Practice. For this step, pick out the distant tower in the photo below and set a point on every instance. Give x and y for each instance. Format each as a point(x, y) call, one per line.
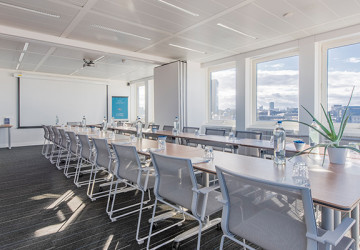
point(271, 106)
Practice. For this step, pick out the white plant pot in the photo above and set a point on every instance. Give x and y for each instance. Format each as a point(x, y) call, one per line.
point(337, 155)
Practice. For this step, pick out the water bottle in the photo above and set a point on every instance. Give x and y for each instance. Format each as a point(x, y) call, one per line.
point(176, 125)
point(83, 122)
point(112, 121)
point(138, 128)
point(314, 136)
point(57, 120)
point(279, 144)
point(104, 124)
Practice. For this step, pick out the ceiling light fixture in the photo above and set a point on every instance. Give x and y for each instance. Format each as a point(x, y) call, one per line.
point(21, 57)
point(26, 47)
point(179, 8)
point(237, 31)
point(30, 10)
point(98, 59)
point(181, 47)
point(17, 66)
point(118, 31)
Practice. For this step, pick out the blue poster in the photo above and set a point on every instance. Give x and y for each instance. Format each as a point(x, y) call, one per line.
point(120, 106)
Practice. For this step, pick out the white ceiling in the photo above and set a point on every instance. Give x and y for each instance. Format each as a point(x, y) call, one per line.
point(140, 31)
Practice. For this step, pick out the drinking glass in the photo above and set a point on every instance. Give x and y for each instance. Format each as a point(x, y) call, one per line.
point(209, 153)
point(300, 174)
point(162, 142)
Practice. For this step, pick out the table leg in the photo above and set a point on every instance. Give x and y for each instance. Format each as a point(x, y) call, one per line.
point(9, 138)
point(327, 218)
point(337, 218)
point(355, 228)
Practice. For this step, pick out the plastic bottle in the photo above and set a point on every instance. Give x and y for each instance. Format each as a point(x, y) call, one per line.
point(138, 128)
point(279, 144)
point(104, 124)
point(176, 125)
point(83, 122)
point(112, 122)
point(314, 136)
point(57, 120)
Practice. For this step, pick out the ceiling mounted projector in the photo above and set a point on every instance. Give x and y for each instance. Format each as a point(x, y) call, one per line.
point(88, 63)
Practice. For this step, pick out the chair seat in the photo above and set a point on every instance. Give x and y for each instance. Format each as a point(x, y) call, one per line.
point(213, 204)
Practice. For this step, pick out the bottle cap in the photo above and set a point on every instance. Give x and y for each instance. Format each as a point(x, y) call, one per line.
point(279, 122)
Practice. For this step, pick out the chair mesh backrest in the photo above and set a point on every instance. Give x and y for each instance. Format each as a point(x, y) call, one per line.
point(248, 135)
point(128, 163)
point(73, 141)
point(190, 129)
point(168, 128)
point(210, 131)
point(56, 135)
point(174, 181)
point(103, 155)
point(151, 126)
point(271, 215)
point(63, 138)
point(51, 133)
point(85, 149)
point(46, 132)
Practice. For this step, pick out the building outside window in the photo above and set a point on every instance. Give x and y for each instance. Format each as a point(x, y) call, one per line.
point(277, 89)
point(141, 101)
point(223, 94)
point(343, 72)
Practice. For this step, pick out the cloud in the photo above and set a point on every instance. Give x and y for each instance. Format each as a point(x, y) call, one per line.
point(353, 60)
point(277, 65)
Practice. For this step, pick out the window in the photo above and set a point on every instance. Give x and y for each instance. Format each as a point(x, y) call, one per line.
point(223, 94)
point(141, 100)
point(343, 72)
point(277, 89)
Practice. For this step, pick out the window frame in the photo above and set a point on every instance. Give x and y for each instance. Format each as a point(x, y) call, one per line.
point(351, 128)
point(253, 90)
point(230, 65)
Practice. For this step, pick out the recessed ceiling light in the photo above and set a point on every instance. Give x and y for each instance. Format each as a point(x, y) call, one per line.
point(21, 57)
point(118, 31)
point(30, 10)
point(179, 8)
point(26, 46)
point(237, 31)
point(181, 47)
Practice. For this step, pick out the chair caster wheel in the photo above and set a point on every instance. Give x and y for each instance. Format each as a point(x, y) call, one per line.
point(218, 227)
point(175, 245)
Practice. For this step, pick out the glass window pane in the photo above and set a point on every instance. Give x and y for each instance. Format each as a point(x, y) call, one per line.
point(223, 94)
point(141, 102)
point(277, 89)
point(343, 74)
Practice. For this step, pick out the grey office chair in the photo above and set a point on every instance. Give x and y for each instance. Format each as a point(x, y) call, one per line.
point(211, 131)
point(55, 150)
point(274, 215)
point(46, 139)
point(169, 128)
point(156, 126)
point(50, 142)
point(130, 172)
point(189, 130)
point(103, 163)
point(72, 155)
point(177, 187)
point(63, 149)
point(85, 160)
point(248, 135)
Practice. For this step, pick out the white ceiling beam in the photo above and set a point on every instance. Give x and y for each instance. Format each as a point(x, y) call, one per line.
point(66, 42)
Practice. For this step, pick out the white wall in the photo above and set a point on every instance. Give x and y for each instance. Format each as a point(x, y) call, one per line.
point(118, 88)
point(197, 93)
point(8, 108)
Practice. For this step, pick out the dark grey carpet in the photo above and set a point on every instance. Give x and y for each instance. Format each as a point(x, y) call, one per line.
point(41, 209)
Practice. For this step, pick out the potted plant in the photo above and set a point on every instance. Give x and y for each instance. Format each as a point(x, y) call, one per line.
point(337, 152)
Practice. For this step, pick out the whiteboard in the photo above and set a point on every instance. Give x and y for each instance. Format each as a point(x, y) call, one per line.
point(41, 100)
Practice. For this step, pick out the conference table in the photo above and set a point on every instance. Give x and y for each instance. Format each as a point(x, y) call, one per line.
point(8, 127)
point(336, 187)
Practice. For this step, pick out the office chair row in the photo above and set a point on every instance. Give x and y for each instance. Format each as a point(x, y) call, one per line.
point(271, 215)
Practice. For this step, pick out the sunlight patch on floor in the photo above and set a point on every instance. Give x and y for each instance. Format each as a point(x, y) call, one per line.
point(108, 241)
point(67, 195)
point(44, 196)
point(74, 203)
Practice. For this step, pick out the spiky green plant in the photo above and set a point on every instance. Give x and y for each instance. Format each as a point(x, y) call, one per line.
point(329, 133)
